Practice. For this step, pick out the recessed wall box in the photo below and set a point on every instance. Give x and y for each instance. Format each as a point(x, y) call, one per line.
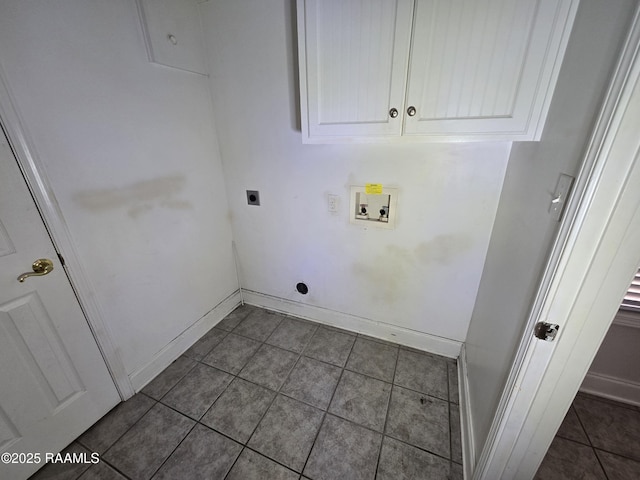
point(173, 34)
point(253, 197)
point(373, 209)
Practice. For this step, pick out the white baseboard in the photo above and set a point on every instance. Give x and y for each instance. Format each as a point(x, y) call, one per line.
point(466, 423)
point(612, 388)
point(625, 318)
point(393, 333)
point(182, 342)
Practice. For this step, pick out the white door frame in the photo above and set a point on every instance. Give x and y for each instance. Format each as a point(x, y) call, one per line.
point(591, 265)
point(34, 171)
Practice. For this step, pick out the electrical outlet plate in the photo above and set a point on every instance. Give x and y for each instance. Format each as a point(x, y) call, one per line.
point(253, 197)
point(387, 200)
point(333, 203)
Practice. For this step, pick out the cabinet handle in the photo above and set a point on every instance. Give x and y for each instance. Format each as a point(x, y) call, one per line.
point(393, 113)
point(411, 111)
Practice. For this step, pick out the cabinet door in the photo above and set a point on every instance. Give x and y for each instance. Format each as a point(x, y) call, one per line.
point(485, 69)
point(353, 61)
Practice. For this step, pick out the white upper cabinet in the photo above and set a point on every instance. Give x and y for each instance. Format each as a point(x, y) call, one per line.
point(429, 70)
point(356, 65)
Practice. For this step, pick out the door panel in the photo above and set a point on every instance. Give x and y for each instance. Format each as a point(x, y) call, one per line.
point(35, 351)
point(54, 383)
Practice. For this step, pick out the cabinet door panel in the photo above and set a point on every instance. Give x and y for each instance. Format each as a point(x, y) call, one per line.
point(484, 67)
point(353, 56)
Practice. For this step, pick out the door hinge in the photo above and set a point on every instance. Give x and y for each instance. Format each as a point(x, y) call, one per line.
point(546, 331)
point(61, 258)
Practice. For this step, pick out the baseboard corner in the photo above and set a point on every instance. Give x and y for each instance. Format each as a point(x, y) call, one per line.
point(184, 341)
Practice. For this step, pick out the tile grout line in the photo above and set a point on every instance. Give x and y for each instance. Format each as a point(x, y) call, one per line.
point(388, 343)
point(326, 412)
point(376, 378)
point(195, 359)
point(197, 421)
point(611, 403)
point(262, 343)
point(352, 333)
point(586, 434)
point(608, 401)
point(124, 433)
point(243, 365)
point(237, 375)
point(176, 448)
point(386, 417)
point(177, 382)
point(90, 467)
point(278, 392)
point(449, 411)
point(343, 369)
point(245, 445)
point(593, 449)
point(450, 405)
point(116, 469)
point(422, 449)
point(208, 408)
point(604, 470)
point(235, 460)
point(621, 455)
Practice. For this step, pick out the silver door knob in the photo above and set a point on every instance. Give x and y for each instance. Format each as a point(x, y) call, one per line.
point(411, 111)
point(40, 267)
point(393, 113)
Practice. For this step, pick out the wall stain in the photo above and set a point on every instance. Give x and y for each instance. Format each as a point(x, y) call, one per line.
point(386, 277)
point(443, 249)
point(138, 198)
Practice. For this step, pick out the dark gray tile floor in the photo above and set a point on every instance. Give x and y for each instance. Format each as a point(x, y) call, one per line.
point(599, 439)
point(268, 396)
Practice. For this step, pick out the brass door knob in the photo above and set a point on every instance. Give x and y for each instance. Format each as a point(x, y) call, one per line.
point(40, 267)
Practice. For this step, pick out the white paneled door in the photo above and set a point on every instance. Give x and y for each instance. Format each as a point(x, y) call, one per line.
point(54, 383)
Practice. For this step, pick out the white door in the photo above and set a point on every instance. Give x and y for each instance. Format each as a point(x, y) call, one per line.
point(596, 259)
point(54, 383)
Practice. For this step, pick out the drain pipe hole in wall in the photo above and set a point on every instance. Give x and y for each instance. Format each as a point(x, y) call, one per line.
point(302, 288)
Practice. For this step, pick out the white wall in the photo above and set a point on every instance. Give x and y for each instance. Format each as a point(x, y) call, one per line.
point(524, 231)
point(131, 152)
point(423, 275)
point(614, 372)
